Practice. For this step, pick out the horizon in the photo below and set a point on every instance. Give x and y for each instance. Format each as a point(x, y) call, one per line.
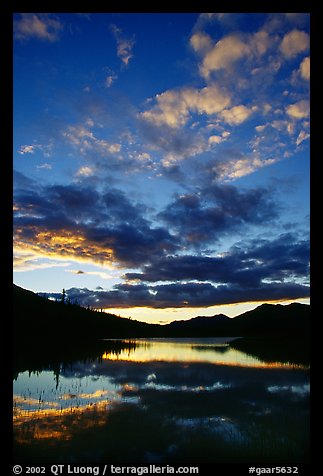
point(161, 160)
point(248, 307)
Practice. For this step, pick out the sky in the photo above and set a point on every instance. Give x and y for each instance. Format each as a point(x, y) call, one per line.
point(161, 160)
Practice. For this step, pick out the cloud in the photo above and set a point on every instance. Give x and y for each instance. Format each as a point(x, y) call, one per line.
point(45, 166)
point(81, 137)
point(303, 135)
point(85, 171)
point(218, 209)
point(176, 144)
point(229, 50)
point(294, 42)
point(237, 114)
point(255, 270)
point(239, 167)
point(124, 45)
point(215, 139)
point(76, 222)
point(260, 42)
point(174, 107)
point(110, 79)
point(305, 68)
point(299, 110)
point(27, 260)
point(40, 26)
point(177, 295)
point(32, 148)
point(226, 51)
point(26, 149)
point(201, 42)
point(247, 264)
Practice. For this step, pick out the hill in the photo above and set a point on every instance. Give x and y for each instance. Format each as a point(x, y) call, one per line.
point(274, 320)
point(267, 320)
point(200, 326)
point(38, 317)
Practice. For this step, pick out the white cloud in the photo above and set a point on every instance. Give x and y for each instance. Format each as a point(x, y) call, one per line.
point(201, 42)
point(294, 42)
point(228, 50)
point(175, 106)
point(215, 140)
point(89, 122)
point(305, 68)
point(260, 42)
point(78, 134)
point(282, 125)
point(26, 149)
point(209, 100)
point(299, 110)
point(234, 169)
point(261, 127)
point(113, 148)
point(28, 260)
point(225, 52)
point(124, 45)
point(45, 166)
point(303, 135)
point(109, 80)
point(85, 171)
point(82, 137)
point(266, 108)
point(31, 149)
point(237, 114)
point(43, 27)
point(143, 156)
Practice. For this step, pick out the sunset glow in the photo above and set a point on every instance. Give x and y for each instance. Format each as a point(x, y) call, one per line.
point(161, 160)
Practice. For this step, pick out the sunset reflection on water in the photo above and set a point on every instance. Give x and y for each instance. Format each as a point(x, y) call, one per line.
point(201, 387)
point(215, 351)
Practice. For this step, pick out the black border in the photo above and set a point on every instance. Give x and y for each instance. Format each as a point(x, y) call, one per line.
point(6, 128)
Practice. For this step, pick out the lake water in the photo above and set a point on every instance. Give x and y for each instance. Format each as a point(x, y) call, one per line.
point(162, 401)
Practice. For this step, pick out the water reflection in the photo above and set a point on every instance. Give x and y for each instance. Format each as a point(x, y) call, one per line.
point(215, 350)
point(208, 400)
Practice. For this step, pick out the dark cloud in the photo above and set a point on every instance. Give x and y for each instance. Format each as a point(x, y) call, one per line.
point(188, 295)
point(280, 259)
point(174, 173)
point(79, 221)
point(21, 182)
point(180, 142)
point(218, 209)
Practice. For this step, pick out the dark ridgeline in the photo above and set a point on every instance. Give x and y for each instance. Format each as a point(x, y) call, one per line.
point(53, 334)
point(36, 318)
point(61, 337)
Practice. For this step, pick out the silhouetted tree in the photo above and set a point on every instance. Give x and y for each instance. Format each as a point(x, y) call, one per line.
point(63, 299)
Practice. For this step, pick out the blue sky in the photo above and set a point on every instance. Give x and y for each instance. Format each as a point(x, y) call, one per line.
point(161, 160)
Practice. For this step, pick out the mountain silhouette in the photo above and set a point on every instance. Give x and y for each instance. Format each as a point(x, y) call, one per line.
point(200, 326)
point(38, 317)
